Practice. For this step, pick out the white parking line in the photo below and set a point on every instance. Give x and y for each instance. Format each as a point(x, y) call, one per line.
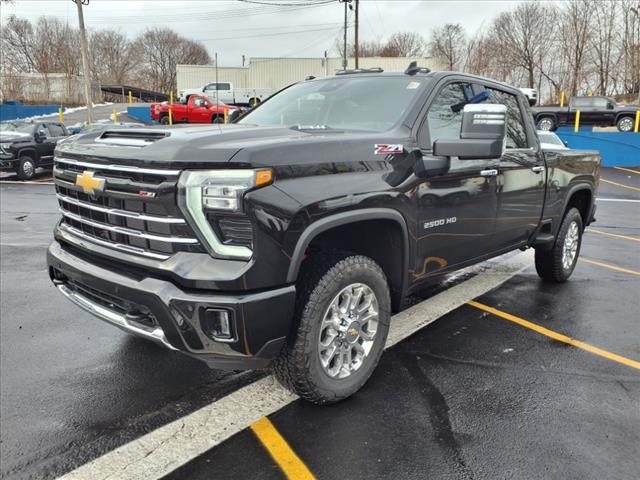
point(161, 451)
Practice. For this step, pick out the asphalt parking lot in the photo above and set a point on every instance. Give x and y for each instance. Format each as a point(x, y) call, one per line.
point(529, 381)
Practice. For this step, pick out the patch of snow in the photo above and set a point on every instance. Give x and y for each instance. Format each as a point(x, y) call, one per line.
point(64, 112)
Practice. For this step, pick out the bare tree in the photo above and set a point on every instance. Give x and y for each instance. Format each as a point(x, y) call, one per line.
point(575, 36)
point(112, 57)
point(16, 45)
point(404, 44)
point(159, 50)
point(449, 43)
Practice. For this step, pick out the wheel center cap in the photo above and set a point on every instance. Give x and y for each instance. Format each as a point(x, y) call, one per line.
point(353, 332)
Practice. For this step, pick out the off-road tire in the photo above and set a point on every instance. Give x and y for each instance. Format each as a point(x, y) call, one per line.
point(323, 276)
point(25, 173)
point(549, 262)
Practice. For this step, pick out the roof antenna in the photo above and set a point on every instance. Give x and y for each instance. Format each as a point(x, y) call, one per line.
point(413, 68)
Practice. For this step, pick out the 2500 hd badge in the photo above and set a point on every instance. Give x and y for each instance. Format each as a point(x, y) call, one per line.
point(268, 244)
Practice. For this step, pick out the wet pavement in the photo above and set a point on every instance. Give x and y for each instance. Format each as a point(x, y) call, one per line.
point(470, 396)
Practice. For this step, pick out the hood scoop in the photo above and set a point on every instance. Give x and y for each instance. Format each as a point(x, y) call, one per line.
point(131, 138)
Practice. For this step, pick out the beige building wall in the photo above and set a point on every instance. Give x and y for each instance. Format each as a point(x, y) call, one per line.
point(277, 73)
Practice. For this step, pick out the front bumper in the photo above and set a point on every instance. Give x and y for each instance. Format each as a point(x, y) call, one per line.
point(160, 311)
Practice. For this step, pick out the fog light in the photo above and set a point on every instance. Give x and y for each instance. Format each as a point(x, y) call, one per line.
point(217, 325)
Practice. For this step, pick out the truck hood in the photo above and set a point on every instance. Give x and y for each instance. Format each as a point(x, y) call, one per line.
point(212, 145)
point(9, 137)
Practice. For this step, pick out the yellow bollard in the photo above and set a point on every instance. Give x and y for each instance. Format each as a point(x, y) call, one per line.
point(255, 100)
point(576, 127)
point(635, 128)
point(171, 97)
point(61, 118)
point(130, 98)
point(226, 116)
point(170, 117)
point(561, 99)
point(115, 116)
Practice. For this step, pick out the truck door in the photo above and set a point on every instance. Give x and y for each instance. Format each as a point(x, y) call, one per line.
point(521, 175)
point(44, 147)
point(456, 211)
point(198, 110)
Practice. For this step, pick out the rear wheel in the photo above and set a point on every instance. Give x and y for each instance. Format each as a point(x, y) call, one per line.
point(625, 124)
point(217, 119)
point(557, 264)
point(164, 120)
point(344, 312)
point(26, 168)
point(546, 124)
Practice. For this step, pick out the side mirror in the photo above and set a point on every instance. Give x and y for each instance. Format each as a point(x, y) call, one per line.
point(234, 115)
point(482, 135)
point(40, 136)
point(610, 105)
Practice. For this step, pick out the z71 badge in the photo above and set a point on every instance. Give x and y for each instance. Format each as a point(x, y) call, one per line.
point(388, 149)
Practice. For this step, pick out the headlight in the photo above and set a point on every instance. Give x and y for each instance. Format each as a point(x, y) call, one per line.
point(217, 191)
point(5, 146)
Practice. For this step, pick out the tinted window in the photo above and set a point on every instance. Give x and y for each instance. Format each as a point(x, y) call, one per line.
point(516, 132)
point(372, 103)
point(443, 122)
point(217, 86)
point(584, 102)
point(56, 130)
point(43, 129)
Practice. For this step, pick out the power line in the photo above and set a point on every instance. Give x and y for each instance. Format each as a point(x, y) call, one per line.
point(290, 4)
point(235, 37)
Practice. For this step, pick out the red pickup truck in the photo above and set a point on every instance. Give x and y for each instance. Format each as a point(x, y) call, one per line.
point(197, 109)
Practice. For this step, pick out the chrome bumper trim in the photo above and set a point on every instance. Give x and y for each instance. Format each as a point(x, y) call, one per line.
point(154, 334)
point(118, 168)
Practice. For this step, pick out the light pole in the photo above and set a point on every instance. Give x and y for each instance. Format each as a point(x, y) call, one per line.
point(636, 10)
point(85, 60)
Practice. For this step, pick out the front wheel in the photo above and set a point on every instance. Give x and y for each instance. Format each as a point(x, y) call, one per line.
point(557, 264)
point(343, 312)
point(625, 124)
point(26, 168)
point(164, 120)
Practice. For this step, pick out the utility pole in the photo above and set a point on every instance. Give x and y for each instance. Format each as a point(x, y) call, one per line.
point(344, 55)
point(85, 60)
point(356, 27)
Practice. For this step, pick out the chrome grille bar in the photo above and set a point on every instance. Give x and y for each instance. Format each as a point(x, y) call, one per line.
point(117, 168)
point(118, 246)
point(120, 213)
point(126, 231)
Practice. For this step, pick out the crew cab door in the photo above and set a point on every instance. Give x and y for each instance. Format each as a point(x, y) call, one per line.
point(44, 143)
point(198, 110)
point(521, 175)
point(455, 211)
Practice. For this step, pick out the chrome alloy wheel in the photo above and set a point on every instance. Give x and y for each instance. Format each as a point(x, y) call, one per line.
point(28, 168)
point(570, 247)
point(625, 124)
point(545, 124)
point(348, 330)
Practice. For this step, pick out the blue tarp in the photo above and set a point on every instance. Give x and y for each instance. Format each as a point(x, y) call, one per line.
point(15, 110)
point(618, 149)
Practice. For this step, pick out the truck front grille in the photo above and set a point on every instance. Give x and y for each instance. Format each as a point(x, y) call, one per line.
point(136, 212)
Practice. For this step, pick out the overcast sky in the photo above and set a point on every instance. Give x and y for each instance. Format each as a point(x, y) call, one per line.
point(233, 28)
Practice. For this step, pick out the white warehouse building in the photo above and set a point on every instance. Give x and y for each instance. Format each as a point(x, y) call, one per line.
point(276, 73)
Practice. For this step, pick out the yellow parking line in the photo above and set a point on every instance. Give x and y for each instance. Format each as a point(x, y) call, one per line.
point(627, 170)
point(624, 237)
point(280, 451)
point(557, 336)
point(620, 185)
point(609, 266)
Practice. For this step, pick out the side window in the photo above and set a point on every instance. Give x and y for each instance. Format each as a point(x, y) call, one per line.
point(224, 86)
point(56, 130)
point(198, 102)
point(516, 132)
point(443, 118)
point(211, 87)
point(42, 128)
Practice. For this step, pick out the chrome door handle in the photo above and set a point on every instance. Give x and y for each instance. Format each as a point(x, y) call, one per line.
point(537, 169)
point(489, 173)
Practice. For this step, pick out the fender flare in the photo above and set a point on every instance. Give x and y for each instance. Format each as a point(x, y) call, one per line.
point(572, 189)
point(631, 115)
point(546, 114)
point(30, 150)
point(343, 218)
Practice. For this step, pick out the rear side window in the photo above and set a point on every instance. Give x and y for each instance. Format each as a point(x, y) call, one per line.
point(217, 86)
point(443, 119)
point(56, 130)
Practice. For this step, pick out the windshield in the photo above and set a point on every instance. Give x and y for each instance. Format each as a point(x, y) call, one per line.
point(351, 103)
point(550, 138)
point(19, 127)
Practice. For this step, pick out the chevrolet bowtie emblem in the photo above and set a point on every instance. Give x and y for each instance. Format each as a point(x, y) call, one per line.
point(89, 183)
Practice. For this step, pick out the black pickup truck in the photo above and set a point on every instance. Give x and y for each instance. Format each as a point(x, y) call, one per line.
point(594, 111)
point(287, 239)
point(25, 146)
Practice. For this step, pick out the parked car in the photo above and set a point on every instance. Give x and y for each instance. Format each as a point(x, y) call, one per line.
point(25, 146)
point(551, 141)
point(196, 109)
point(225, 92)
point(531, 94)
point(597, 111)
point(287, 239)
